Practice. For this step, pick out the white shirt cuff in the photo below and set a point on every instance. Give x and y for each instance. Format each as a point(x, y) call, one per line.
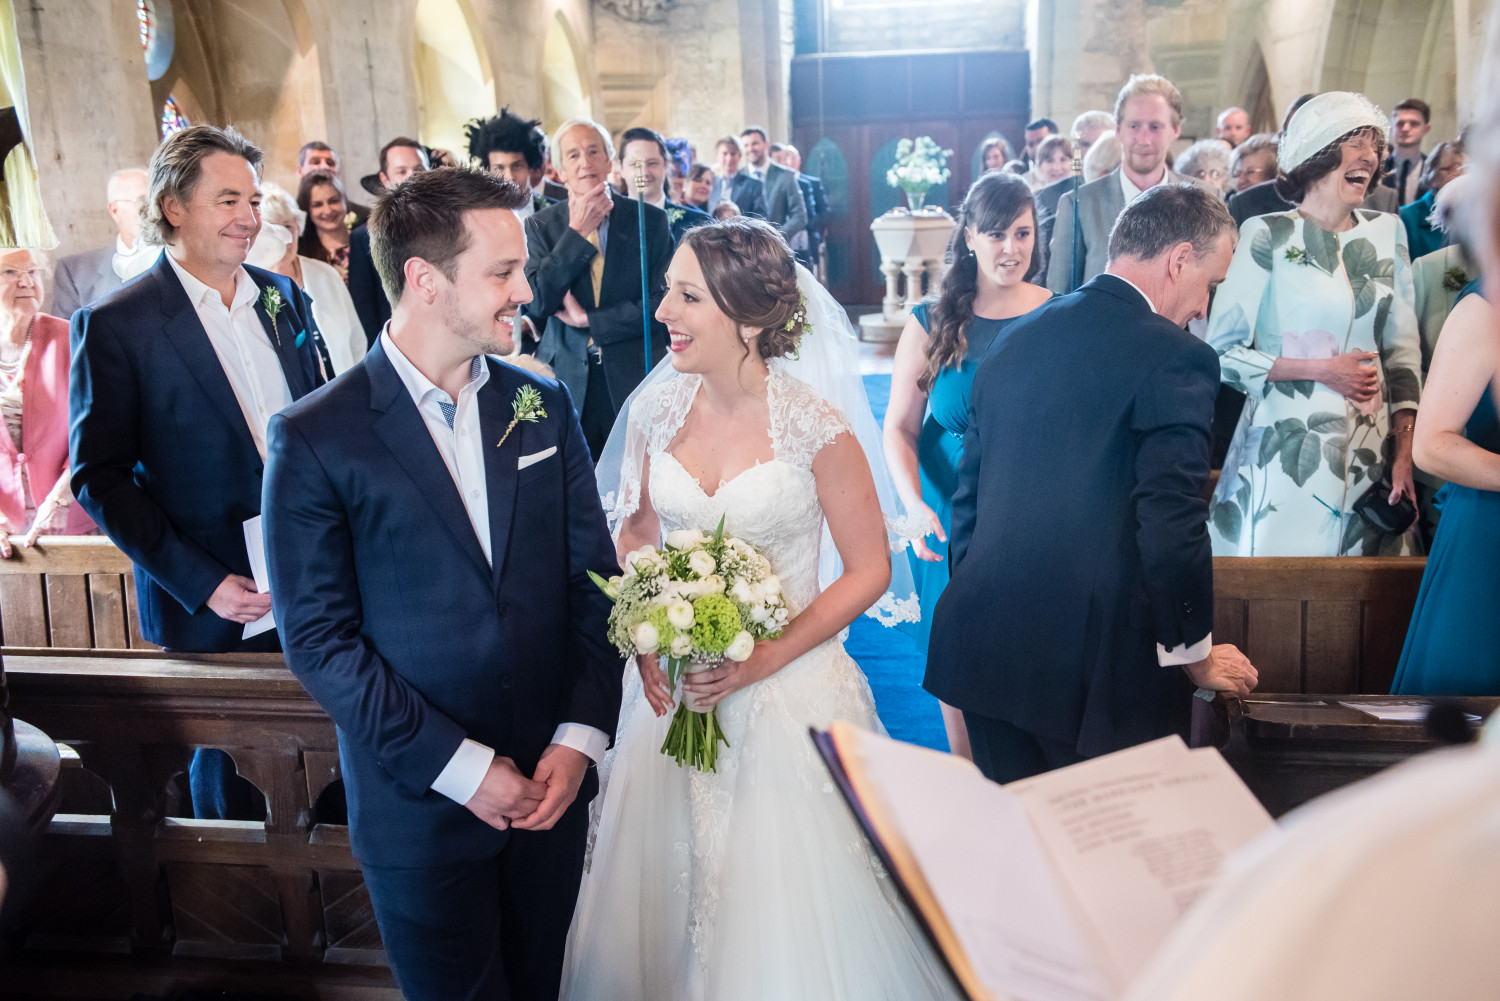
point(1183, 654)
point(461, 776)
point(584, 739)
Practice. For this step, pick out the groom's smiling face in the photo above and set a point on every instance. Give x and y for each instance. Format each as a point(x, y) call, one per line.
point(489, 283)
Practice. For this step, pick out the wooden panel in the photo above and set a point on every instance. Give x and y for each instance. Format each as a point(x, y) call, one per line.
point(225, 910)
point(133, 617)
point(1383, 636)
point(1334, 578)
point(67, 554)
point(1273, 642)
point(68, 611)
point(23, 610)
point(1229, 621)
point(349, 917)
point(107, 609)
point(1331, 655)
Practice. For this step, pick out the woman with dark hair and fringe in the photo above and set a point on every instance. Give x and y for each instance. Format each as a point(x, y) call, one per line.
point(993, 257)
point(325, 233)
point(1315, 324)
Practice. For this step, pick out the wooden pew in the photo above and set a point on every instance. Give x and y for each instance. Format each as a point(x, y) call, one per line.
point(1317, 626)
point(137, 899)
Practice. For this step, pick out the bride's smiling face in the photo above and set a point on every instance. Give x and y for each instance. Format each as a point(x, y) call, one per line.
point(702, 339)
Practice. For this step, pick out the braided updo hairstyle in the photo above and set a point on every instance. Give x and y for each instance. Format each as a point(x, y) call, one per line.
point(752, 276)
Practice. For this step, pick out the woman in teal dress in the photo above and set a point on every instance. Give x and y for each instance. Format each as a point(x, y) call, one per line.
point(994, 254)
point(1453, 645)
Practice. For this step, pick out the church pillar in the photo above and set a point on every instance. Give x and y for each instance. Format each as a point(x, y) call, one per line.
point(1082, 51)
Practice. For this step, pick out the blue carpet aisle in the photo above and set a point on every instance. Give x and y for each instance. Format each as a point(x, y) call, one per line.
point(889, 657)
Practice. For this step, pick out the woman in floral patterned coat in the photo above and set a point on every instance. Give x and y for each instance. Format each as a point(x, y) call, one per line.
point(1315, 324)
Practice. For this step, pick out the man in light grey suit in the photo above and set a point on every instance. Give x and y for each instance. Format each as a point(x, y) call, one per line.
point(82, 278)
point(1148, 119)
point(785, 207)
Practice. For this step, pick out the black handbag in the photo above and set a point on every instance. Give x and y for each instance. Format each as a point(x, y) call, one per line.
point(1375, 506)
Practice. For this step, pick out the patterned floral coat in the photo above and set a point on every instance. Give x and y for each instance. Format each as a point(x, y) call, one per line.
point(1303, 454)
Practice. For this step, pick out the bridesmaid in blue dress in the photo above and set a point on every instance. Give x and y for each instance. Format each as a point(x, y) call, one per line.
point(1453, 645)
point(994, 255)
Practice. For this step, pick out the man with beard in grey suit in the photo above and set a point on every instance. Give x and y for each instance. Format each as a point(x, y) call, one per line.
point(785, 207)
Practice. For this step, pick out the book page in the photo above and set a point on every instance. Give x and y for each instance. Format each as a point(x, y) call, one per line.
point(255, 548)
point(979, 856)
point(1137, 836)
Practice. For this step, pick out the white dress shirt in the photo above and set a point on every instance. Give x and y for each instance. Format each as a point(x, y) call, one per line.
point(459, 441)
point(1132, 193)
point(1181, 653)
point(243, 346)
point(334, 310)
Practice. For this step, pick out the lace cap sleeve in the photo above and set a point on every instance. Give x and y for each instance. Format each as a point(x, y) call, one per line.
point(802, 422)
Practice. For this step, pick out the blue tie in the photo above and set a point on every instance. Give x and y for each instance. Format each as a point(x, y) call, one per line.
point(450, 410)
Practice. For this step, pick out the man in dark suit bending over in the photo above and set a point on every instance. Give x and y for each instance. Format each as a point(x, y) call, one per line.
point(584, 265)
point(1080, 611)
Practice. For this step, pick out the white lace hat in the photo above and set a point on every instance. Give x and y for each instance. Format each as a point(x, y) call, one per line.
point(1323, 120)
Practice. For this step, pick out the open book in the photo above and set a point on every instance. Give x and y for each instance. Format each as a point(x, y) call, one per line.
point(1055, 888)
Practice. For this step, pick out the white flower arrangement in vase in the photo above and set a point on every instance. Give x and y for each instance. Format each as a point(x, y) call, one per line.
point(920, 164)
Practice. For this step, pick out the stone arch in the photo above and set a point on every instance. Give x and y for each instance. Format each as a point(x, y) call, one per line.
point(452, 70)
point(565, 89)
point(252, 65)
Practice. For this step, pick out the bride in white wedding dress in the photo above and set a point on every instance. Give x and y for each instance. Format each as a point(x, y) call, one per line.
point(751, 882)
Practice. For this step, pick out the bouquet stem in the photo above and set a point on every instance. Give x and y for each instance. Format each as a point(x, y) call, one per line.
point(694, 736)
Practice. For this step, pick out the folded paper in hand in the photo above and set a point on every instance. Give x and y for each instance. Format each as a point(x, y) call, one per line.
point(255, 548)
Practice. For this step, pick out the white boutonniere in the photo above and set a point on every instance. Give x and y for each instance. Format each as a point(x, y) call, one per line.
point(350, 218)
point(272, 303)
point(527, 406)
point(674, 215)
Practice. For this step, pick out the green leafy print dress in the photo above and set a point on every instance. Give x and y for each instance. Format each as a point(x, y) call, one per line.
point(1303, 454)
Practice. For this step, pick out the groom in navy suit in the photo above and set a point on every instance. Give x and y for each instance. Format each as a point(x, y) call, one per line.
point(430, 535)
point(1080, 610)
point(173, 380)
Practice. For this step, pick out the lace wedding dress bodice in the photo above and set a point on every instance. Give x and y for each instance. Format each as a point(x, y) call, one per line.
point(772, 505)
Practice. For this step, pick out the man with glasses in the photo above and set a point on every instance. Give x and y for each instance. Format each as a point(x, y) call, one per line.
point(82, 278)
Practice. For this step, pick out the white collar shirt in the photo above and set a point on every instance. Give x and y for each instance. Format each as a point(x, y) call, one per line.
point(1131, 191)
point(460, 442)
point(244, 348)
point(454, 427)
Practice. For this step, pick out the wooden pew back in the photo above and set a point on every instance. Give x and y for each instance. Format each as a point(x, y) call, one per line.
point(76, 592)
point(1318, 626)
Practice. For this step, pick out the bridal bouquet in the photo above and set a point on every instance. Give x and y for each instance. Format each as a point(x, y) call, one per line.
point(700, 599)
point(919, 165)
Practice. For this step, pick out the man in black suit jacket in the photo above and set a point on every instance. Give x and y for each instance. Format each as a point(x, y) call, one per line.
point(173, 380)
point(429, 563)
point(399, 159)
point(733, 185)
point(584, 265)
point(1081, 601)
point(649, 148)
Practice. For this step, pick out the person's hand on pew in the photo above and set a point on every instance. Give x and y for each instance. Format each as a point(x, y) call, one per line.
point(237, 600)
point(1225, 669)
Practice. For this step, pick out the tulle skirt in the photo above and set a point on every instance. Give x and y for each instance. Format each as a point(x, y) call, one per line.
point(749, 884)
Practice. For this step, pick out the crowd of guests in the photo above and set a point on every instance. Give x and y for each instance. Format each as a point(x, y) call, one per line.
point(1351, 255)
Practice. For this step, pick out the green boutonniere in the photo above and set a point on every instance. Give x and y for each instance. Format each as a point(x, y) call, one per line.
point(1297, 255)
point(272, 303)
point(527, 406)
point(1455, 279)
point(674, 215)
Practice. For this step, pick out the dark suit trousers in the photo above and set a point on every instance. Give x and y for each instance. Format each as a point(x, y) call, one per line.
point(1004, 752)
point(487, 930)
point(597, 417)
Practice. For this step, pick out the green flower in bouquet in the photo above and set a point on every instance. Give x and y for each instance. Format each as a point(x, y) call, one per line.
point(716, 622)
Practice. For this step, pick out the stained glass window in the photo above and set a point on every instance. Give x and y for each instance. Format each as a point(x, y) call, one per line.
point(143, 15)
point(172, 118)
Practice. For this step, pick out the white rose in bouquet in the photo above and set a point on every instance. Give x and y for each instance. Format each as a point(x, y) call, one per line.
point(771, 585)
point(645, 638)
point(680, 614)
point(644, 558)
point(682, 645)
point(741, 592)
point(702, 563)
point(741, 646)
point(759, 612)
point(685, 538)
point(712, 584)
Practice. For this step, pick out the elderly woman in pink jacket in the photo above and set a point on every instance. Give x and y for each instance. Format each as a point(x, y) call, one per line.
point(34, 495)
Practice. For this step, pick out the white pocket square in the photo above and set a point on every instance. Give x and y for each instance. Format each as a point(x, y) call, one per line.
point(533, 458)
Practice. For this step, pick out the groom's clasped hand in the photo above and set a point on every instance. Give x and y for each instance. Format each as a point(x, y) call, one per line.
point(507, 798)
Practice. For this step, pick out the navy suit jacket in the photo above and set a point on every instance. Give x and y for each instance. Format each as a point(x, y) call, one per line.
point(162, 458)
point(364, 285)
point(1079, 536)
point(745, 191)
point(682, 218)
point(393, 620)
